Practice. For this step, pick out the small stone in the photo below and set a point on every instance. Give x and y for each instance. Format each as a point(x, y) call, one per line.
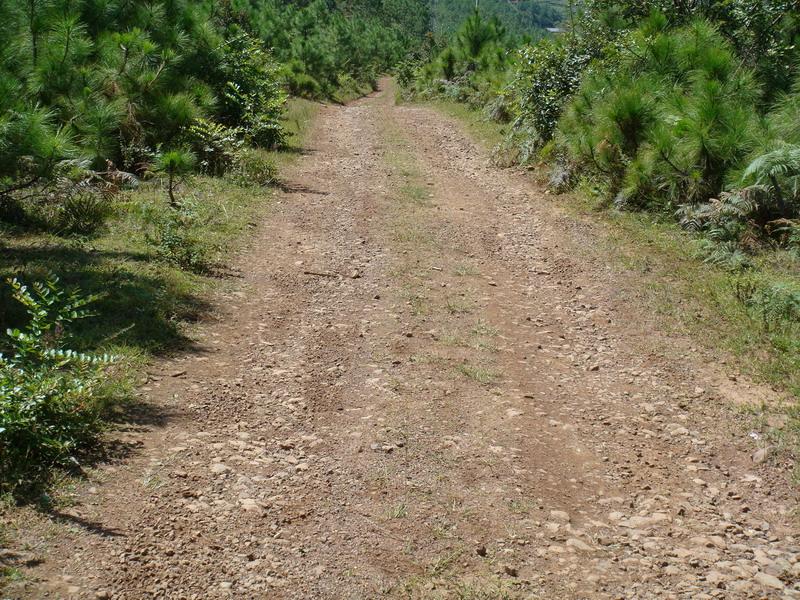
point(250, 505)
point(559, 515)
point(769, 581)
point(760, 455)
point(102, 595)
point(579, 545)
point(715, 578)
point(219, 468)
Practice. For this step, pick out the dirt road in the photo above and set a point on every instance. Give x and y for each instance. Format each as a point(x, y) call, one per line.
point(428, 385)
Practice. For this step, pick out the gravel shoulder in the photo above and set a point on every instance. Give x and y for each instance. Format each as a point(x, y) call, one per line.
point(427, 385)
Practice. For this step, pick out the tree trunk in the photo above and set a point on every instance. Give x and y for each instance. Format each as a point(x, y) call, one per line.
point(172, 202)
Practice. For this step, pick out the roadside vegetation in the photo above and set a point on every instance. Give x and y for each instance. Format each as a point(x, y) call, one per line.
point(679, 122)
point(138, 141)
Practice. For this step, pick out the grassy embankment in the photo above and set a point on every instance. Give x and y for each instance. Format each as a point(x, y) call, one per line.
point(147, 300)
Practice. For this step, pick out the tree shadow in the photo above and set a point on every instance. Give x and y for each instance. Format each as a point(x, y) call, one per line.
point(299, 188)
point(297, 150)
point(85, 524)
point(139, 305)
point(125, 419)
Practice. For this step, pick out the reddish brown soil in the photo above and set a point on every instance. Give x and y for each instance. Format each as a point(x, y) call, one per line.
point(427, 386)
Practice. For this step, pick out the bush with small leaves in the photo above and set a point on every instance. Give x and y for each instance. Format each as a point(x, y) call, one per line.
point(252, 97)
point(49, 395)
point(547, 75)
point(175, 240)
point(254, 168)
point(214, 145)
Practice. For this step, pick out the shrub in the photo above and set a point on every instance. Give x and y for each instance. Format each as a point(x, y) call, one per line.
point(670, 124)
point(252, 96)
point(547, 75)
point(176, 242)
point(472, 69)
point(49, 395)
point(214, 145)
point(173, 164)
point(253, 168)
point(776, 305)
point(83, 211)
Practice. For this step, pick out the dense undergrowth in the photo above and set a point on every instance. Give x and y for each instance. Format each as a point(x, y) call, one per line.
point(105, 90)
point(683, 114)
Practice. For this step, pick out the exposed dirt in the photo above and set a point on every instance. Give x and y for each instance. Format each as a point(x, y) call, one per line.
point(428, 386)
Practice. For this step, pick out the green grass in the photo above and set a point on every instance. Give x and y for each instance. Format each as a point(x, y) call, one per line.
point(476, 373)
point(8, 572)
point(466, 270)
point(456, 305)
point(400, 511)
point(416, 193)
point(350, 89)
point(707, 301)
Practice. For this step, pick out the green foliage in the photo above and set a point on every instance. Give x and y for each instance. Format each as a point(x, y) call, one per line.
point(775, 305)
point(763, 33)
point(252, 98)
point(214, 145)
point(173, 164)
point(83, 211)
point(111, 83)
point(30, 146)
point(473, 67)
point(547, 75)
point(670, 123)
point(253, 168)
point(318, 43)
point(520, 18)
point(176, 241)
point(49, 394)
